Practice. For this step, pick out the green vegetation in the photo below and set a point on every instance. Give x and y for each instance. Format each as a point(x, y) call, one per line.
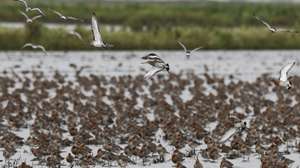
point(209, 38)
point(153, 15)
point(212, 25)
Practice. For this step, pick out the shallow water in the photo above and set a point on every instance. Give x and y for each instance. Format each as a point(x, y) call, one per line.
point(244, 65)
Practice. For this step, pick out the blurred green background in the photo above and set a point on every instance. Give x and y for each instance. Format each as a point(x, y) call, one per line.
point(153, 25)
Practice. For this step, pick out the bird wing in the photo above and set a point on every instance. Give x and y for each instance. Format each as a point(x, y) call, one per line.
point(24, 14)
point(287, 30)
point(155, 60)
point(28, 45)
point(72, 18)
point(76, 34)
point(39, 10)
point(196, 49)
point(285, 70)
point(41, 47)
point(58, 13)
point(151, 73)
point(36, 17)
point(182, 45)
point(95, 29)
point(24, 2)
point(264, 22)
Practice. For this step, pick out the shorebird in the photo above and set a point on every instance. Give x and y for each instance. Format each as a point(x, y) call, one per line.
point(97, 39)
point(155, 61)
point(284, 79)
point(272, 28)
point(33, 46)
point(27, 8)
point(30, 20)
point(188, 52)
point(63, 17)
point(75, 34)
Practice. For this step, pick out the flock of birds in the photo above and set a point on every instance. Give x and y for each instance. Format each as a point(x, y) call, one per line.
point(96, 120)
point(153, 59)
point(138, 131)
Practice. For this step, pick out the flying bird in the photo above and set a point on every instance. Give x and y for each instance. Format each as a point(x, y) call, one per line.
point(97, 39)
point(63, 17)
point(272, 28)
point(33, 46)
point(188, 52)
point(284, 79)
point(30, 20)
point(154, 60)
point(75, 34)
point(28, 9)
point(158, 64)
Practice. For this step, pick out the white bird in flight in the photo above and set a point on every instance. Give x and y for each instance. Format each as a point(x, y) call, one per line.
point(27, 8)
point(158, 64)
point(97, 39)
point(188, 52)
point(75, 34)
point(63, 17)
point(284, 79)
point(28, 19)
point(33, 46)
point(272, 28)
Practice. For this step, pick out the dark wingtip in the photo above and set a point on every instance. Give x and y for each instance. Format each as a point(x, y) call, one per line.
point(167, 67)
